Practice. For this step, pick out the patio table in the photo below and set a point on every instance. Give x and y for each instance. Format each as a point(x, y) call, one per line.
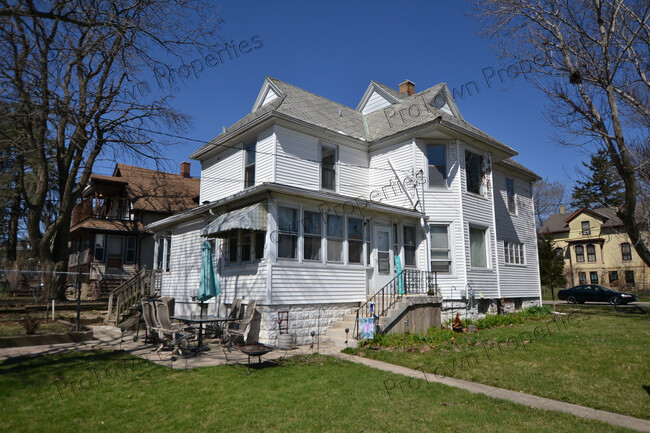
point(201, 320)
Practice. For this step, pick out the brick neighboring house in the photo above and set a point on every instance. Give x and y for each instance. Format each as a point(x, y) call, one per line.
point(596, 249)
point(108, 239)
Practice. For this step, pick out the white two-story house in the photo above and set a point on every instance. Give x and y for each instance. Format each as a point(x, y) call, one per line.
point(313, 206)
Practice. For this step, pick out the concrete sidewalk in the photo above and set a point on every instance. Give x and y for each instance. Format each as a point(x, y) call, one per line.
point(504, 394)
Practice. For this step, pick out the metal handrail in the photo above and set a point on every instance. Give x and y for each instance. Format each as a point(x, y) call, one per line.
point(407, 282)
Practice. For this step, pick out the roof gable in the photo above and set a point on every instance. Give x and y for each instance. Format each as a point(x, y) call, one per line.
point(267, 93)
point(443, 101)
point(376, 97)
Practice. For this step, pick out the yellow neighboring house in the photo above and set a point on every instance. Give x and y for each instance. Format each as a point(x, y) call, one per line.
point(596, 249)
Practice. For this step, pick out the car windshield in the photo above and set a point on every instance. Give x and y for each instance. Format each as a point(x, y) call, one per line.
point(604, 289)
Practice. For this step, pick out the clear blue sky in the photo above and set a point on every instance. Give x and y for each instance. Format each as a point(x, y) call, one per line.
point(335, 48)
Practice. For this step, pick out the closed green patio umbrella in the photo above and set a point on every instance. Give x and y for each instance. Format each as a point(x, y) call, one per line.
point(209, 283)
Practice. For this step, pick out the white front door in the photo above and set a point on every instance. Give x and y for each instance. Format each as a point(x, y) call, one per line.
point(382, 258)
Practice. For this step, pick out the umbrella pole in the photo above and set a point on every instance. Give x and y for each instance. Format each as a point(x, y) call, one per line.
point(201, 327)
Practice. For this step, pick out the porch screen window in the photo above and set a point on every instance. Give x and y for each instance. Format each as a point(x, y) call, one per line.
point(510, 190)
point(334, 238)
point(613, 276)
point(233, 246)
point(437, 165)
point(477, 247)
point(626, 251)
point(593, 276)
point(580, 253)
point(474, 172)
point(582, 277)
point(246, 245)
point(100, 242)
point(629, 277)
point(249, 170)
point(313, 235)
point(260, 240)
point(591, 253)
point(328, 161)
point(440, 253)
point(130, 250)
point(355, 240)
point(288, 233)
point(409, 246)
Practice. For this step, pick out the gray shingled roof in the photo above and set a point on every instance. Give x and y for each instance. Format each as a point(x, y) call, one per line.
point(313, 109)
point(392, 92)
point(508, 162)
point(556, 223)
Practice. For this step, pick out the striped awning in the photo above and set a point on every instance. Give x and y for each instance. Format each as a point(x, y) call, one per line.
point(250, 217)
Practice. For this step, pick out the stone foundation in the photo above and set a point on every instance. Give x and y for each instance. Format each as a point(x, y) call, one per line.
point(478, 308)
point(303, 319)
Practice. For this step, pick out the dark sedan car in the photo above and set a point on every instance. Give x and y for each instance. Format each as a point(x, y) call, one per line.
point(594, 293)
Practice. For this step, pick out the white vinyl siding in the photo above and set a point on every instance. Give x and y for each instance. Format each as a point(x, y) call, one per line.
point(222, 175)
point(383, 186)
point(183, 281)
point(297, 159)
point(299, 284)
point(353, 171)
point(521, 280)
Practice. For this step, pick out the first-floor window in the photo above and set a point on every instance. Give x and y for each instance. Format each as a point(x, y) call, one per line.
point(313, 235)
point(233, 246)
point(582, 277)
point(334, 238)
point(514, 253)
point(260, 240)
point(593, 276)
point(409, 246)
point(130, 249)
point(160, 253)
point(100, 242)
point(168, 254)
point(629, 277)
point(478, 256)
point(246, 245)
point(613, 276)
point(288, 233)
point(440, 252)
point(355, 240)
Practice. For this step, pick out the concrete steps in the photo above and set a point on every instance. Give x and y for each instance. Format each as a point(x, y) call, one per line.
point(334, 339)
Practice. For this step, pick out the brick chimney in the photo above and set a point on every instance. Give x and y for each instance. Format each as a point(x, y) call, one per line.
point(562, 209)
point(407, 87)
point(185, 169)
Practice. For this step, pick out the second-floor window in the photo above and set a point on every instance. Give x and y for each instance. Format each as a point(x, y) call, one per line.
point(626, 251)
point(510, 190)
point(328, 168)
point(437, 165)
point(580, 253)
point(249, 166)
point(474, 172)
point(591, 253)
point(586, 229)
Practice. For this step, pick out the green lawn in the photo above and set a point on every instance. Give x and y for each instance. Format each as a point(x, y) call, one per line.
point(302, 394)
point(600, 360)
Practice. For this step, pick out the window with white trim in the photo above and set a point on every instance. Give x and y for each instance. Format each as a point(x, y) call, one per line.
point(334, 238)
point(477, 247)
point(313, 234)
point(510, 191)
point(328, 168)
point(514, 253)
point(355, 240)
point(288, 233)
point(437, 165)
point(440, 251)
point(409, 245)
point(249, 166)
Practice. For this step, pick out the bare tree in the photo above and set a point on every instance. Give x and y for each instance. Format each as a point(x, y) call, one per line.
point(548, 197)
point(66, 65)
point(591, 60)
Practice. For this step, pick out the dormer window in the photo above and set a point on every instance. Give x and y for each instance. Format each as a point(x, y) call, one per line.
point(328, 168)
point(249, 166)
